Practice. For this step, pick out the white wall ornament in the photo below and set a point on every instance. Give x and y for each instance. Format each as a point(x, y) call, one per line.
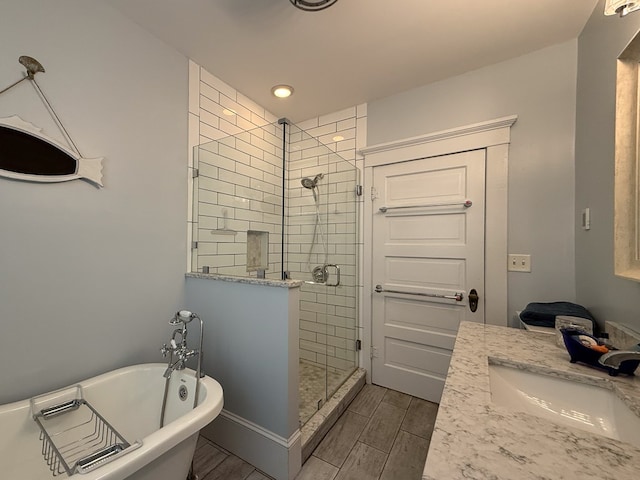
point(29, 155)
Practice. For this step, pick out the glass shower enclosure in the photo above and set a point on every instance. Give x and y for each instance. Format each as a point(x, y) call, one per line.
point(274, 202)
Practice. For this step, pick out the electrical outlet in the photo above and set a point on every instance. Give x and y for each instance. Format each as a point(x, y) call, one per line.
point(519, 263)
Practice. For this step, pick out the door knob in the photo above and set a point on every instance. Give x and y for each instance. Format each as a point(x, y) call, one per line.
point(473, 300)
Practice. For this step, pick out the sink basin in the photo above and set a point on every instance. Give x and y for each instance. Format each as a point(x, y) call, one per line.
point(594, 409)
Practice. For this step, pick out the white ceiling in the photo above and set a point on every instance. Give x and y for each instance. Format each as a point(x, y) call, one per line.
point(355, 51)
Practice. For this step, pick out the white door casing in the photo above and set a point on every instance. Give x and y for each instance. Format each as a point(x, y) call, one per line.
point(494, 137)
point(428, 253)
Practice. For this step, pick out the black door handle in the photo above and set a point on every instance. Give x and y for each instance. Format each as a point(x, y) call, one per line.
point(473, 300)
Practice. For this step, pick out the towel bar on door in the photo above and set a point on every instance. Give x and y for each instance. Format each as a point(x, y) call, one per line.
point(457, 296)
point(465, 204)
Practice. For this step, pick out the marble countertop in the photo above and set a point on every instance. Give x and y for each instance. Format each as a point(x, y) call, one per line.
point(269, 282)
point(476, 439)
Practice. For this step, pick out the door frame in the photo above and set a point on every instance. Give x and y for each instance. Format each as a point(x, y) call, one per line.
point(494, 136)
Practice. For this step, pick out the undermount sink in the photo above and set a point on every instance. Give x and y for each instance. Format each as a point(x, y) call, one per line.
point(594, 409)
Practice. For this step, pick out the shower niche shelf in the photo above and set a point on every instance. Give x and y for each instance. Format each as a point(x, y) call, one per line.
point(257, 251)
point(75, 437)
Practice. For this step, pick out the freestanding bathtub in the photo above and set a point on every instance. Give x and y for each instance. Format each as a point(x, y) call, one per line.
point(129, 400)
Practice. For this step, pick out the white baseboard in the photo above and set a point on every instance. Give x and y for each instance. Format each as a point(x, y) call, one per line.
point(278, 457)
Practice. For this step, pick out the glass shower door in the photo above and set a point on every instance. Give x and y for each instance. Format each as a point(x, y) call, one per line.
point(321, 250)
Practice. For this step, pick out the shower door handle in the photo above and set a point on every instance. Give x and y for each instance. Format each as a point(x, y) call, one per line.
point(326, 274)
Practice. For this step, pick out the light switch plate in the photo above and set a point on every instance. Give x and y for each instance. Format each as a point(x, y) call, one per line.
point(519, 263)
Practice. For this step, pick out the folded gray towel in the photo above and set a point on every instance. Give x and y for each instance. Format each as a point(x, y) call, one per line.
point(544, 314)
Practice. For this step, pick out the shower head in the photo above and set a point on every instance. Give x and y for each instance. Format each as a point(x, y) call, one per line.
point(311, 183)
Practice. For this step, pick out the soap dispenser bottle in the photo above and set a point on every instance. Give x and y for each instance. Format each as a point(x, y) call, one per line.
point(603, 339)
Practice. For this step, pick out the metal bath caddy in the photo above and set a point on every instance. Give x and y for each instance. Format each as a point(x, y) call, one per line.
point(75, 437)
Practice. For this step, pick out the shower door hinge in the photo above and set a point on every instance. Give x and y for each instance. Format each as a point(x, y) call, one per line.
point(374, 193)
point(358, 190)
point(195, 173)
point(358, 345)
point(194, 245)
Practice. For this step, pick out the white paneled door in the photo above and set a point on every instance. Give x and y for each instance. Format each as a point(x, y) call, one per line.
point(428, 255)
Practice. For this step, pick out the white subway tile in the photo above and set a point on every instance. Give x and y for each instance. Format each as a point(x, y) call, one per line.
point(231, 248)
point(308, 336)
point(262, 145)
point(270, 117)
point(308, 124)
point(209, 93)
point(194, 86)
point(218, 84)
point(245, 124)
point(207, 196)
point(265, 187)
point(249, 215)
point(258, 120)
point(219, 161)
point(209, 118)
point(257, 163)
point(229, 128)
point(342, 125)
point(234, 154)
point(250, 171)
point(207, 248)
point(208, 170)
point(235, 106)
point(307, 355)
point(233, 201)
point(232, 177)
point(324, 130)
point(251, 105)
point(312, 346)
point(209, 133)
point(337, 116)
point(211, 106)
point(216, 185)
point(194, 135)
point(237, 271)
point(249, 193)
point(246, 147)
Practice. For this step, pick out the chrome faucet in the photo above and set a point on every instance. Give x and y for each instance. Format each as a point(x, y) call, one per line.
point(179, 350)
point(182, 354)
point(615, 359)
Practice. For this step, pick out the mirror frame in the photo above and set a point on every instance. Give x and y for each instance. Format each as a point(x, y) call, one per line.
point(627, 188)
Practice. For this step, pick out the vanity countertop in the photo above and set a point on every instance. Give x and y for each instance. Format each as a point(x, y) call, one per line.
point(476, 439)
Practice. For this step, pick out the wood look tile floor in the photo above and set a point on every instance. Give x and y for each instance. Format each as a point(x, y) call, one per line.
point(383, 435)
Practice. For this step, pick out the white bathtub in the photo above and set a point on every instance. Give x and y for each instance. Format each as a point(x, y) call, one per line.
point(130, 399)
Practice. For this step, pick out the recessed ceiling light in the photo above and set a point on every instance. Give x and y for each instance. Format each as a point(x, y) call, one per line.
point(282, 91)
point(338, 138)
point(228, 111)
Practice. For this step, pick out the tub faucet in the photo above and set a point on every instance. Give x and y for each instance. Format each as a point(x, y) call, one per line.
point(180, 364)
point(180, 350)
point(616, 358)
point(181, 319)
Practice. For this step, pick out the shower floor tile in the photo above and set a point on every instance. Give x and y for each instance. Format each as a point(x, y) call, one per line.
point(312, 387)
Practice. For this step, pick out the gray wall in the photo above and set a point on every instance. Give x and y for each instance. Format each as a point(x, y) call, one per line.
point(540, 88)
point(251, 348)
point(88, 277)
point(607, 296)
